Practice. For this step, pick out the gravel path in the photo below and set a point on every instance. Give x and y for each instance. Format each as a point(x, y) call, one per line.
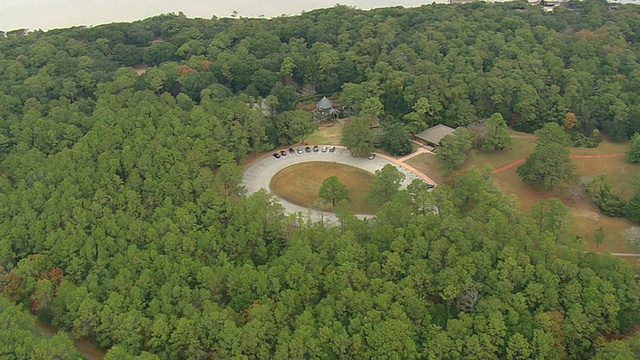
point(259, 174)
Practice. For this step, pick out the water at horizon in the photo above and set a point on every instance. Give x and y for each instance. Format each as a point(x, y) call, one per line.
point(50, 14)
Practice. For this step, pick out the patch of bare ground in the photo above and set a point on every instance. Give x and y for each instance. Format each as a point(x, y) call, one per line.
point(140, 68)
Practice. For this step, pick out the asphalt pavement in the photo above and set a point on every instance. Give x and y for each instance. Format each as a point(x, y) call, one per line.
point(258, 175)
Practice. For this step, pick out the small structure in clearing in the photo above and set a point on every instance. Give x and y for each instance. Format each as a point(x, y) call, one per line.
point(433, 135)
point(325, 107)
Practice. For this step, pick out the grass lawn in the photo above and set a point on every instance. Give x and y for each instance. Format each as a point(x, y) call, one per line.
point(326, 135)
point(587, 217)
point(619, 172)
point(300, 184)
point(523, 145)
point(426, 163)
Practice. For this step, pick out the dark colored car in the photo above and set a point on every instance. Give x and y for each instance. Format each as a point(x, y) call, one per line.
point(291, 151)
point(332, 149)
point(283, 153)
point(307, 149)
point(372, 156)
point(315, 148)
point(276, 155)
point(299, 150)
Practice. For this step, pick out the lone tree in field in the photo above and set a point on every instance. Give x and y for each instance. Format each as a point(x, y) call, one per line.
point(599, 236)
point(333, 190)
point(386, 184)
point(633, 152)
point(358, 137)
point(549, 168)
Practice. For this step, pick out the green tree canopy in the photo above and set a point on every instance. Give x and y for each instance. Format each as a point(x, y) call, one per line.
point(498, 137)
point(333, 190)
point(396, 140)
point(123, 219)
point(610, 204)
point(294, 126)
point(633, 151)
point(358, 137)
point(599, 236)
point(552, 133)
point(386, 184)
point(20, 340)
point(453, 150)
point(549, 167)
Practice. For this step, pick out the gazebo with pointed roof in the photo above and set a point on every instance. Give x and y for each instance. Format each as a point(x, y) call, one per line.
point(324, 105)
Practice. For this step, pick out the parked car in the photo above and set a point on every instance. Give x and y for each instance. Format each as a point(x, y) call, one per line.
point(332, 149)
point(324, 149)
point(283, 153)
point(291, 151)
point(372, 156)
point(299, 150)
point(315, 148)
point(430, 185)
point(276, 155)
point(307, 149)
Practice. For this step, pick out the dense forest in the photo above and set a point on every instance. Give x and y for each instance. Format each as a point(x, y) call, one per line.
point(122, 218)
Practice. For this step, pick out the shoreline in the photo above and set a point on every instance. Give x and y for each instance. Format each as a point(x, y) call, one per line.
point(58, 14)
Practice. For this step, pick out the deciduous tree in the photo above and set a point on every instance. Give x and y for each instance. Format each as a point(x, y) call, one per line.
point(633, 151)
point(396, 140)
point(294, 126)
point(358, 137)
point(549, 168)
point(453, 152)
point(498, 137)
point(552, 133)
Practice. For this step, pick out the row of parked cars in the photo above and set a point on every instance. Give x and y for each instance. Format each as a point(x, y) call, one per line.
point(301, 150)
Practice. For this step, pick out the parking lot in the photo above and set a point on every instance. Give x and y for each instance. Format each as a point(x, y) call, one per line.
point(258, 175)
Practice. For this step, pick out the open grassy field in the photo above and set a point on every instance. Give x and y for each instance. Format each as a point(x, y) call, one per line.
point(327, 135)
point(301, 183)
point(426, 163)
point(523, 145)
point(586, 215)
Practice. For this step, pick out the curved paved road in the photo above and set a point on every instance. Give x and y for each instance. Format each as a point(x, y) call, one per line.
point(258, 175)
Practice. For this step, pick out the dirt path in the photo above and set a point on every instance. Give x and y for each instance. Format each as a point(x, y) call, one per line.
point(507, 167)
point(625, 254)
point(408, 167)
point(420, 150)
point(521, 161)
point(602, 156)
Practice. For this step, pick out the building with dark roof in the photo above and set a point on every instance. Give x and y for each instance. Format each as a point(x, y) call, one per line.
point(433, 135)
